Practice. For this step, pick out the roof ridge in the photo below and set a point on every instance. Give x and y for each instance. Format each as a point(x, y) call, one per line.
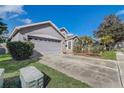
point(34, 24)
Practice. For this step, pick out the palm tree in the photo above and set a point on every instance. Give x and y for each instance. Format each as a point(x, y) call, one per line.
point(87, 42)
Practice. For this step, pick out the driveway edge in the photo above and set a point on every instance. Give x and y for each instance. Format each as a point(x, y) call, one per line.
point(119, 61)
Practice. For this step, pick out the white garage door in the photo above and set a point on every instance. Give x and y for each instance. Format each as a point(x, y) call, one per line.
point(47, 46)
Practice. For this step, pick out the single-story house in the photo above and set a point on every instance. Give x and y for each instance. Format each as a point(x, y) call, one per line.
point(46, 36)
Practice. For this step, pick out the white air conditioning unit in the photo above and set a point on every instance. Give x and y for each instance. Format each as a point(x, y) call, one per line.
point(31, 77)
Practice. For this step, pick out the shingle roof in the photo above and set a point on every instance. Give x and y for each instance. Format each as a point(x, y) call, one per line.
point(71, 37)
point(16, 29)
point(64, 29)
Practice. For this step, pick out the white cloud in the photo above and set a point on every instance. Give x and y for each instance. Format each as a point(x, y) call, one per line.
point(121, 12)
point(13, 16)
point(11, 11)
point(25, 21)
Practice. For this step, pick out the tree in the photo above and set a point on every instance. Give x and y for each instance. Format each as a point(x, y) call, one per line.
point(111, 26)
point(3, 31)
point(107, 41)
point(87, 42)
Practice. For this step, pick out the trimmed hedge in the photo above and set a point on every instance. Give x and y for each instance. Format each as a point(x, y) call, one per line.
point(20, 50)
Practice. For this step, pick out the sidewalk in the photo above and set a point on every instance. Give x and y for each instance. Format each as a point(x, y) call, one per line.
point(120, 60)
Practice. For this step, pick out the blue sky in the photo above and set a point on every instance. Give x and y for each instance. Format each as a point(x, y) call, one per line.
point(79, 20)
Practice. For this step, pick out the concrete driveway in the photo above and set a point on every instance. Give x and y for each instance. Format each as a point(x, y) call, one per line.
point(95, 72)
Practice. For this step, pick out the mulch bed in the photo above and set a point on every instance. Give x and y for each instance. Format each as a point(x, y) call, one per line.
point(88, 54)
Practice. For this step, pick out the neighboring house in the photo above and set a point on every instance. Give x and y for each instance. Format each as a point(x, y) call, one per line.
point(46, 36)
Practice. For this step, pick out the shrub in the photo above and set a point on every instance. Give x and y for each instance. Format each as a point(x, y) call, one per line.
point(85, 49)
point(20, 50)
point(77, 49)
point(97, 49)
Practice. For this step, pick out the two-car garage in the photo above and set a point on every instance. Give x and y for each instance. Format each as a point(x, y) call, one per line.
point(46, 37)
point(45, 44)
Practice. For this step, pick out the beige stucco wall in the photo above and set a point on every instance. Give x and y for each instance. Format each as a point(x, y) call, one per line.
point(72, 44)
point(67, 48)
point(44, 29)
point(18, 37)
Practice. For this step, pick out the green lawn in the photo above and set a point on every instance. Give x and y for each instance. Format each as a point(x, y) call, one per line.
point(5, 57)
point(53, 78)
point(109, 55)
point(11, 65)
point(59, 80)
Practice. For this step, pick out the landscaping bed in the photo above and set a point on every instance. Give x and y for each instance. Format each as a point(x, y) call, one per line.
point(88, 54)
point(104, 55)
point(53, 78)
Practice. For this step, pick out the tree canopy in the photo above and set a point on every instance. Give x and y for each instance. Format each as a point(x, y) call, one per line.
point(111, 26)
point(106, 40)
point(86, 40)
point(3, 30)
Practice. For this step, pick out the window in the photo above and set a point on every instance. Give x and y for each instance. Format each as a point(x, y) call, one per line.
point(69, 45)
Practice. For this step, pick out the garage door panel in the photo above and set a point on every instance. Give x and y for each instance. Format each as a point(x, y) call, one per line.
point(47, 47)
